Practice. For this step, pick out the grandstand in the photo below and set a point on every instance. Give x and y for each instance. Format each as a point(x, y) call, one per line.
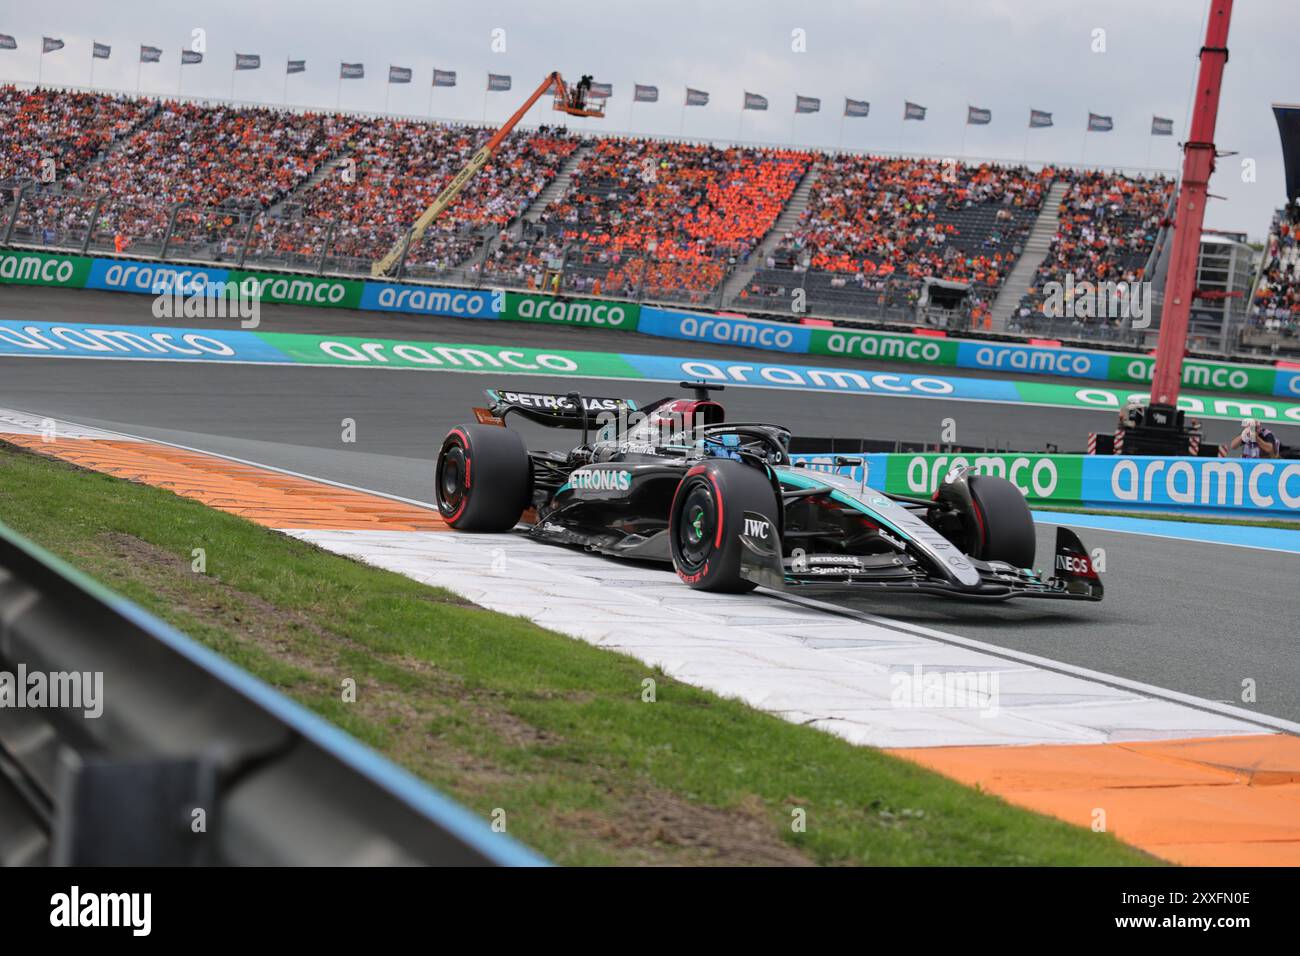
point(868, 239)
point(1274, 315)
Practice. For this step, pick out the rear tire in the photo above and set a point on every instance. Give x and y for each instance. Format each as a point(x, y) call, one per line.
point(1005, 526)
point(483, 478)
point(707, 518)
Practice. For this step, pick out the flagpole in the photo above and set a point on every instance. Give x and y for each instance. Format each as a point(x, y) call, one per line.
point(92, 64)
point(338, 97)
point(793, 117)
point(1150, 140)
point(430, 110)
point(964, 130)
point(180, 74)
point(40, 63)
point(139, 64)
point(840, 144)
point(284, 100)
point(681, 125)
point(232, 77)
point(388, 92)
point(1025, 153)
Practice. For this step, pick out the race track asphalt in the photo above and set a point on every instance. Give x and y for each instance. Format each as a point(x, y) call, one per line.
point(1193, 617)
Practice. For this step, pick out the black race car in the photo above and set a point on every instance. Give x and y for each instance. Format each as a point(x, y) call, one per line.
point(674, 481)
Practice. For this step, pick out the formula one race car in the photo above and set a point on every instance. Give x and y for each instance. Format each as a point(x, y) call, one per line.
point(726, 505)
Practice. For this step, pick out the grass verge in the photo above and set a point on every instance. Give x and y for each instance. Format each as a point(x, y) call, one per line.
point(500, 713)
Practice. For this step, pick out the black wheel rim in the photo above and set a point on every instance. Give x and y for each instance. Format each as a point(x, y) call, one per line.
point(697, 526)
point(451, 479)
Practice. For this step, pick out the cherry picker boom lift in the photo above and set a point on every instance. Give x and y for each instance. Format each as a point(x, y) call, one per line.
point(571, 100)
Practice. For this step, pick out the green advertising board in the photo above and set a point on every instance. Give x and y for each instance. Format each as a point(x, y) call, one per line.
point(440, 356)
point(922, 349)
point(623, 316)
point(1057, 478)
point(302, 290)
point(1198, 373)
point(39, 268)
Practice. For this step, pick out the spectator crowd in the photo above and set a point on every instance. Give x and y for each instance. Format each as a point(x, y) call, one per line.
point(1276, 305)
point(1107, 228)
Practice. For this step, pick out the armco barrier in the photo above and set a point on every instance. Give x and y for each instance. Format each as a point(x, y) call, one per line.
point(35, 268)
point(189, 760)
point(1141, 483)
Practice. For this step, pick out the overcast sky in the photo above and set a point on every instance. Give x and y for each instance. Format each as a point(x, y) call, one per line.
point(1004, 55)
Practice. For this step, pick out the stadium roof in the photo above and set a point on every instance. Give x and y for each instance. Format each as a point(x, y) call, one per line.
point(1288, 127)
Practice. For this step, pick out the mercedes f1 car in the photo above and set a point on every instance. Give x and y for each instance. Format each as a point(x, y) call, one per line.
point(726, 505)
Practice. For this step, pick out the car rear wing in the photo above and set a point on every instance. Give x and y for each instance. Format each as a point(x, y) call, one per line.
point(556, 411)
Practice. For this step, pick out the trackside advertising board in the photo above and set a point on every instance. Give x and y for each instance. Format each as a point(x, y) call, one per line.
point(430, 300)
point(301, 290)
point(151, 278)
point(1217, 485)
point(925, 349)
point(725, 330)
point(555, 310)
point(38, 268)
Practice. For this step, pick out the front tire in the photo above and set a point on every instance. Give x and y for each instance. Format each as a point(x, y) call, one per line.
point(1006, 527)
point(482, 479)
point(707, 518)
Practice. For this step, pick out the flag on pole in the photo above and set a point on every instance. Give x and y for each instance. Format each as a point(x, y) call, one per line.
point(352, 71)
point(399, 74)
point(696, 97)
point(444, 77)
point(7, 42)
point(150, 54)
point(645, 94)
point(498, 82)
point(1161, 126)
point(189, 57)
point(50, 44)
point(101, 51)
point(753, 101)
point(295, 66)
point(807, 104)
point(975, 116)
point(913, 111)
point(1100, 124)
point(600, 91)
point(856, 107)
point(1039, 119)
point(248, 61)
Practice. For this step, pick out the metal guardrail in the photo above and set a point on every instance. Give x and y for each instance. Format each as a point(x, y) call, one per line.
point(185, 737)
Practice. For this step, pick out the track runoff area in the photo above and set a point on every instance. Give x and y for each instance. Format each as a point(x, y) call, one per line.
point(1136, 701)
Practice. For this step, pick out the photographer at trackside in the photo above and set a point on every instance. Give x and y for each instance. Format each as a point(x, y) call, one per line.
point(1255, 441)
